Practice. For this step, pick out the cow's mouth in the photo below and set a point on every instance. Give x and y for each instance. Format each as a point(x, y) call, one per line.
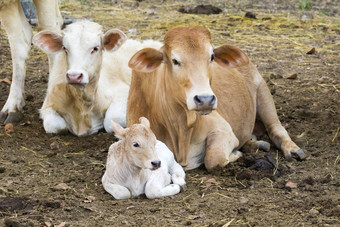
point(77, 85)
point(204, 112)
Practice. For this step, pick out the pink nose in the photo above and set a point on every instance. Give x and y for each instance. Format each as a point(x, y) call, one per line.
point(74, 78)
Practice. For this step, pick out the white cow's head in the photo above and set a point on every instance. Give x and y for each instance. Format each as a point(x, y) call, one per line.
point(83, 44)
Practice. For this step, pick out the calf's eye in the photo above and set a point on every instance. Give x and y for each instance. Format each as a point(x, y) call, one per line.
point(135, 144)
point(94, 50)
point(175, 62)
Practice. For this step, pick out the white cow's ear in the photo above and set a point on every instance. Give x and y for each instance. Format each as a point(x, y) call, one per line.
point(113, 39)
point(49, 42)
point(144, 121)
point(118, 130)
point(228, 55)
point(146, 60)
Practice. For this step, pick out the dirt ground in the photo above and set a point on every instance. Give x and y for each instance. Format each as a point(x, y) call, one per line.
point(55, 180)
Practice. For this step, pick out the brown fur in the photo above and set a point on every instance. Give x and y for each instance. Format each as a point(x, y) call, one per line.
point(242, 94)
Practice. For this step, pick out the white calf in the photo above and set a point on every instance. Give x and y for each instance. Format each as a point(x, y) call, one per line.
point(89, 82)
point(138, 164)
point(20, 35)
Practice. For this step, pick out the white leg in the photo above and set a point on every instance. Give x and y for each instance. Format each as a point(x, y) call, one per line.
point(116, 190)
point(177, 174)
point(159, 185)
point(53, 122)
point(117, 113)
point(19, 36)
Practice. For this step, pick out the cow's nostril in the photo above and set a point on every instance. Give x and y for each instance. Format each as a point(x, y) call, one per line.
point(80, 77)
point(156, 164)
point(213, 100)
point(197, 100)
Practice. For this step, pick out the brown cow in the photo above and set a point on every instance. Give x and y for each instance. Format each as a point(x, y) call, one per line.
point(177, 87)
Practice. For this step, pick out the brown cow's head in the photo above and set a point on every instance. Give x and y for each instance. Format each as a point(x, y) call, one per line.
point(190, 56)
point(83, 43)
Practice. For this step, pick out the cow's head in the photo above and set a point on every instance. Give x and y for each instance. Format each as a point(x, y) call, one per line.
point(189, 57)
point(139, 143)
point(83, 43)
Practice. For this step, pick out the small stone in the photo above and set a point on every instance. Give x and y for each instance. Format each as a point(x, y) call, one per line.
point(313, 211)
point(243, 200)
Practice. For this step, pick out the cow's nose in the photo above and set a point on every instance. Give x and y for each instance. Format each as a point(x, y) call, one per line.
point(156, 164)
point(209, 100)
point(74, 78)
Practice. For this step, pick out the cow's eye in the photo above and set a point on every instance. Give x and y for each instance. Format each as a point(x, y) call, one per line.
point(175, 62)
point(135, 144)
point(212, 57)
point(95, 49)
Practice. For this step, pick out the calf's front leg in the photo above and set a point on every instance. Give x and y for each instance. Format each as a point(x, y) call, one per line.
point(116, 190)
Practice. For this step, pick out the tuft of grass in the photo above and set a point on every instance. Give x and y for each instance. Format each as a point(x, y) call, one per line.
point(305, 5)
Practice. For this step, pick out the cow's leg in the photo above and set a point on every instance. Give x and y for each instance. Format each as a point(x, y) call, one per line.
point(53, 122)
point(19, 35)
point(266, 112)
point(116, 190)
point(49, 18)
point(117, 113)
point(155, 190)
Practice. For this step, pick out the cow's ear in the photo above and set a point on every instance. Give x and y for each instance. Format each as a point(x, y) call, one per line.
point(228, 55)
point(146, 60)
point(118, 130)
point(47, 41)
point(113, 39)
point(144, 121)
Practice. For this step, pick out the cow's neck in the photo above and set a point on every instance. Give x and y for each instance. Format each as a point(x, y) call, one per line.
point(173, 114)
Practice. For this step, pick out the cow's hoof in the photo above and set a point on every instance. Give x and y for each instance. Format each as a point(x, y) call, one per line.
point(263, 145)
point(13, 117)
point(300, 154)
point(183, 187)
point(3, 116)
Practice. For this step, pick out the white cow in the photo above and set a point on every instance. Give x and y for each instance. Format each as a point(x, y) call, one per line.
point(138, 164)
point(19, 34)
point(89, 82)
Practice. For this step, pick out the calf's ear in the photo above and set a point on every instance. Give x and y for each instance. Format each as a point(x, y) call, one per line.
point(118, 130)
point(144, 121)
point(47, 41)
point(113, 39)
point(228, 55)
point(146, 60)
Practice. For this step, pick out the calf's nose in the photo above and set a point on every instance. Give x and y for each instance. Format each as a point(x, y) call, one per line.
point(156, 164)
point(207, 101)
point(74, 78)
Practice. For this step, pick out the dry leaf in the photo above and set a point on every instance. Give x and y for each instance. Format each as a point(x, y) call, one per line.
point(291, 185)
point(26, 123)
point(48, 224)
point(89, 199)
point(213, 181)
point(312, 51)
point(61, 224)
point(62, 186)
point(6, 80)
point(9, 128)
point(292, 77)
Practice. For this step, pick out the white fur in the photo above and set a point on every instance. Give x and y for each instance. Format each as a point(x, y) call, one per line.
point(53, 122)
point(122, 181)
point(20, 35)
point(110, 100)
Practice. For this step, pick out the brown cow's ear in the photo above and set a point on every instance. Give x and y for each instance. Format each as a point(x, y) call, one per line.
point(113, 39)
point(232, 56)
point(146, 60)
point(144, 121)
point(49, 42)
point(118, 130)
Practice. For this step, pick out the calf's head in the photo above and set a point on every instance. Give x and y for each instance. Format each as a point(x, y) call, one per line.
point(83, 43)
point(139, 144)
point(189, 57)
